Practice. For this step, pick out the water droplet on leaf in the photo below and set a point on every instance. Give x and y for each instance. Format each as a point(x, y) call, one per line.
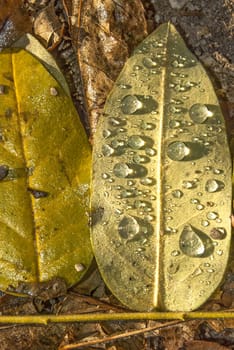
point(107, 150)
point(185, 151)
point(148, 181)
point(214, 185)
point(128, 227)
point(147, 126)
point(138, 104)
point(124, 170)
point(133, 228)
point(189, 184)
point(194, 242)
point(149, 62)
point(199, 113)
point(175, 253)
point(177, 193)
point(150, 152)
point(178, 151)
point(136, 142)
point(218, 233)
point(212, 215)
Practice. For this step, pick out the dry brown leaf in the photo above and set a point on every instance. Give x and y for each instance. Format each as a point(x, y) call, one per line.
point(104, 33)
point(48, 27)
point(14, 21)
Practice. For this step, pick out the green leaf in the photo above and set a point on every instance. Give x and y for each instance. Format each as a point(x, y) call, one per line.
point(162, 180)
point(45, 162)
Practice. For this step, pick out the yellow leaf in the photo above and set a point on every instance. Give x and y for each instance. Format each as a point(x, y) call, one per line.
point(162, 180)
point(44, 177)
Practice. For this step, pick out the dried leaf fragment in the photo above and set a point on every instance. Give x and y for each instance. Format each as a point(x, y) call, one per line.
point(14, 22)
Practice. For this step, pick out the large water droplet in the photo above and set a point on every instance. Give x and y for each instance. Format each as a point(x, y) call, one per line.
point(128, 227)
point(131, 104)
point(189, 184)
point(185, 151)
point(141, 159)
point(106, 133)
point(136, 142)
point(200, 207)
point(147, 126)
point(149, 62)
point(117, 143)
point(177, 193)
point(199, 113)
point(142, 204)
point(194, 201)
point(205, 223)
point(130, 193)
point(133, 228)
point(214, 185)
point(218, 171)
point(138, 104)
point(124, 170)
point(178, 150)
point(194, 242)
point(150, 151)
point(218, 233)
point(174, 124)
point(212, 215)
point(117, 122)
point(148, 181)
point(107, 150)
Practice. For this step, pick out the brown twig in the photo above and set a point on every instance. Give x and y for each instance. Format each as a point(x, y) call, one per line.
point(118, 336)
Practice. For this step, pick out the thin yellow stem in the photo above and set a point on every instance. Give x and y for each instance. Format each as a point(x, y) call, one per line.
point(125, 316)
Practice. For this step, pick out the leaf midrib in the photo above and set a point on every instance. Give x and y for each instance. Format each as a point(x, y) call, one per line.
point(159, 187)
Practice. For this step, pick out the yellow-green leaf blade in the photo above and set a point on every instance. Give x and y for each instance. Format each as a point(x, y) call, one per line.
point(45, 191)
point(162, 161)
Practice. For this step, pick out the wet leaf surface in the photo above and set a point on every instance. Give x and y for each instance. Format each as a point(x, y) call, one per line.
point(45, 165)
point(162, 159)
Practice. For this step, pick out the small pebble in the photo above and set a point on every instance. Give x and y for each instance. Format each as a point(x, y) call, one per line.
point(177, 4)
point(53, 91)
point(79, 267)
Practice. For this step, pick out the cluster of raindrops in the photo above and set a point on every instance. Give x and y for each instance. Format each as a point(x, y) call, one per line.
point(131, 151)
point(131, 155)
point(202, 239)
